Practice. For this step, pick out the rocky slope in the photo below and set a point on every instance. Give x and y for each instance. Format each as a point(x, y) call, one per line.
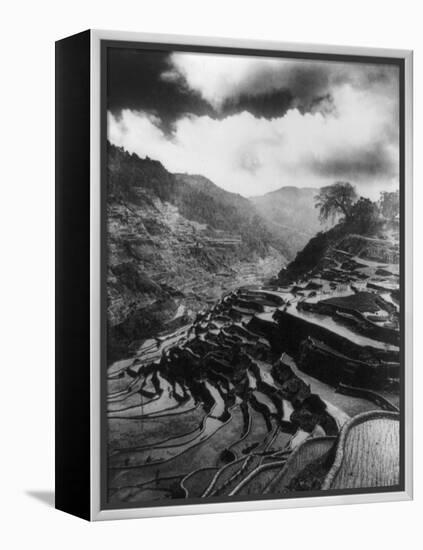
point(175, 244)
point(343, 323)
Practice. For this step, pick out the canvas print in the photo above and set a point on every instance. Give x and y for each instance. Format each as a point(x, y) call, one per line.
point(252, 276)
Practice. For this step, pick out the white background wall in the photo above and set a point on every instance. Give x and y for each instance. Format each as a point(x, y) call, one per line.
point(28, 31)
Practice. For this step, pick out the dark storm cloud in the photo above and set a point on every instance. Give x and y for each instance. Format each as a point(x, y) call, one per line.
point(304, 82)
point(308, 86)
point(140, 80)
point(160, 83)
point(252, 124)
point(267, 105)
point(227, 80)
point(311, 80)
point(134, 82)
point(358, 164)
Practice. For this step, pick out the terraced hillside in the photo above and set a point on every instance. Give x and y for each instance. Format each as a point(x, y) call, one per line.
point(175, 244)
point(223, 405)
point(347, 317)
point(202, 411)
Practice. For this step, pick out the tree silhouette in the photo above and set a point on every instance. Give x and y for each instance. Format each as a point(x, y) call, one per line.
point(364, 216)
point(336, 199)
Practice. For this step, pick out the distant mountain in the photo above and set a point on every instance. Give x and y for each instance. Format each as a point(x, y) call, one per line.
point(290, 216)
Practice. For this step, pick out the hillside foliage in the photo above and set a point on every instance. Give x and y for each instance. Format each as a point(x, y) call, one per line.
point(360, 216)
point(135, 180)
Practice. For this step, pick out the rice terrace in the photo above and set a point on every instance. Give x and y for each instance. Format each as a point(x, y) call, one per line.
point(253, 285)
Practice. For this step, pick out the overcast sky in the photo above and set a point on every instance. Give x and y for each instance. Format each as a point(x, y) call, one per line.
point(254, 124)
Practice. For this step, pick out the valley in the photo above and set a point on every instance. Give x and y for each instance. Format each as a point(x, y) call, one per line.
point(253, 277)
point(254, 396)
point(176, 243)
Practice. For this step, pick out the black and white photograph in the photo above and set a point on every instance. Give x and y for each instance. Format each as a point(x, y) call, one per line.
point(252, 275)
point(211, 275)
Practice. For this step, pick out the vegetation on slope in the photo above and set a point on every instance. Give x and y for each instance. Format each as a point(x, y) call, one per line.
point(175, 243)
point(131, 178)
point(359, 216)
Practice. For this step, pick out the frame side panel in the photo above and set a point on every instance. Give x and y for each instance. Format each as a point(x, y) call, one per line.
point(73, 275)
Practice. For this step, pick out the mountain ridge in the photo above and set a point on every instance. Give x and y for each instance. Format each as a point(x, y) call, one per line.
point(174, 247)
point(290, 215)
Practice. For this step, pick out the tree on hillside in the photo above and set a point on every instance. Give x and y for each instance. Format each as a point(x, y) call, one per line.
point(389, 204)
point(364, 216)
point(336, 199)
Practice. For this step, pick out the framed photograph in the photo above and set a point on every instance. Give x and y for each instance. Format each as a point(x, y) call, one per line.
point(233, 275)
